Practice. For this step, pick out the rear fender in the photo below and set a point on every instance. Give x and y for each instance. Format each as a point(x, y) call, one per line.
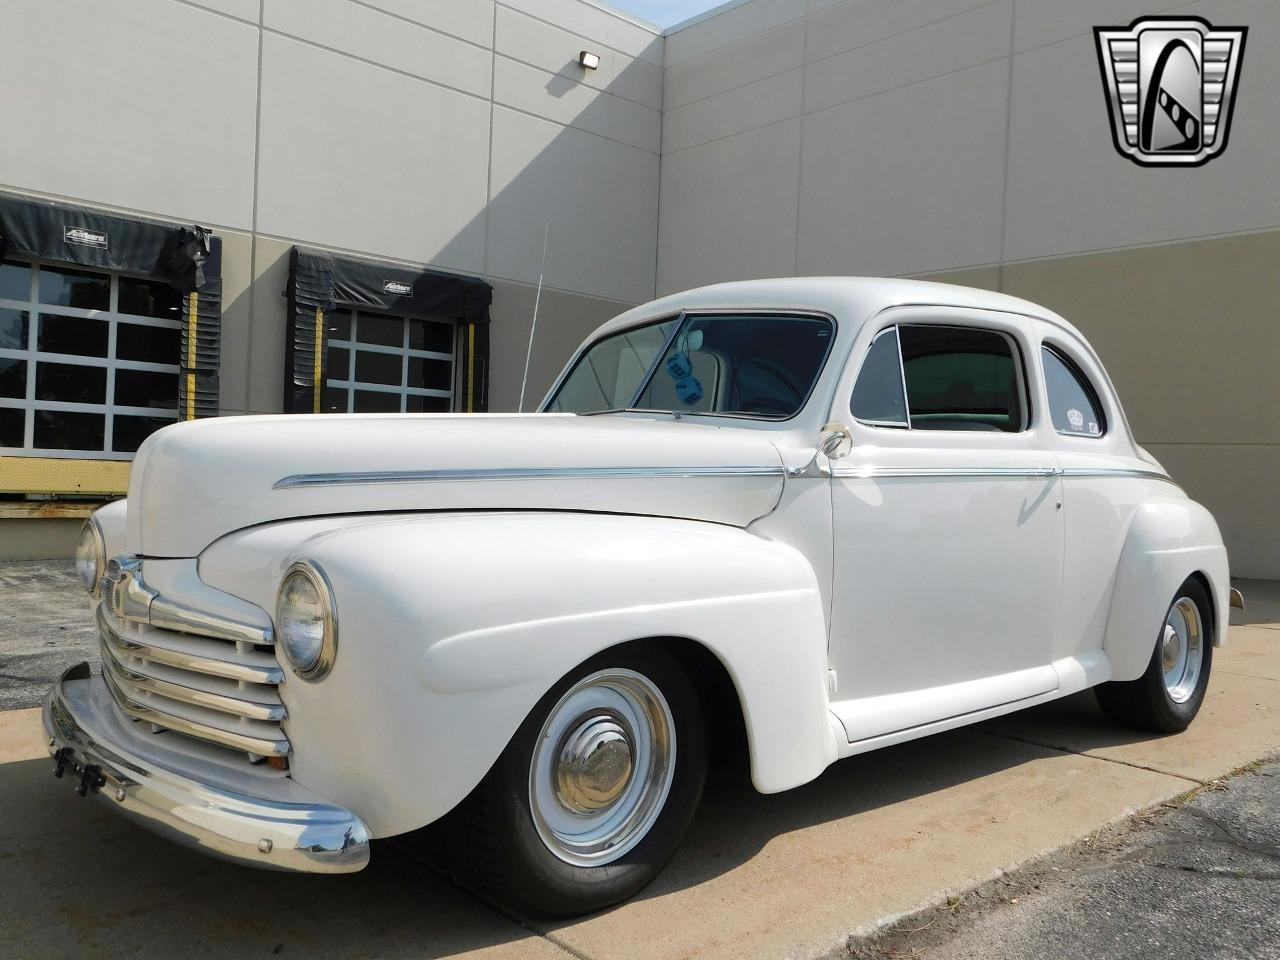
point(1169, 539)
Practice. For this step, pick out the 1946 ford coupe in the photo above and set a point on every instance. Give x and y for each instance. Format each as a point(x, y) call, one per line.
point(843, 513)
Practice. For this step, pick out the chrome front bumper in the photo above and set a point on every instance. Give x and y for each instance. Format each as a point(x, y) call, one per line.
point(294, 831)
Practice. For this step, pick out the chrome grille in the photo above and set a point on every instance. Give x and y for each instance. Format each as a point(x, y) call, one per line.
point(186, 671)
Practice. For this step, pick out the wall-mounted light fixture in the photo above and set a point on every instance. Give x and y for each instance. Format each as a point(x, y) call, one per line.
point(589, 60)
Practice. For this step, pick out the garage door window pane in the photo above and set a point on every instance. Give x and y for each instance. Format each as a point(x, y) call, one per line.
point(71, 383)
point(429, 374)
point(15, 281)
point(13, 378)
point(148, 344)
point(147, 298)
point(419, 404)
point(142, 388)
point(78, 336)
point(339, 363)
point(430, 335)
point(338, 323)
point(960, 378)
point(378, 329)
point(56, 430)
point(127, 433)
point(369, 401)
point(13, 329)
point(12, 423)
point(379, 368)
point(1073, 404)
point(64, 287)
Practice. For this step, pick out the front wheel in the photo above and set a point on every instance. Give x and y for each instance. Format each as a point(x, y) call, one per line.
point(593, 793)
point(1167, 697)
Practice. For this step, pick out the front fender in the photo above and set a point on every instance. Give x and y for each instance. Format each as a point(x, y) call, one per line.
point(451, 627)
point(1170, 538)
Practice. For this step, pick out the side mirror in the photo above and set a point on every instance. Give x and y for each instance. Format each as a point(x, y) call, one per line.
point(835, 440)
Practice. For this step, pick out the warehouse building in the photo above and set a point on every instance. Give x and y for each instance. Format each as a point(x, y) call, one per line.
point(215, 207)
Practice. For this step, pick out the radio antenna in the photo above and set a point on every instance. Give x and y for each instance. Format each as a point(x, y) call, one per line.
point(534, 325)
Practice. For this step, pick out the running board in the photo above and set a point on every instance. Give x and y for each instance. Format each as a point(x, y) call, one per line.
point(1073, 675)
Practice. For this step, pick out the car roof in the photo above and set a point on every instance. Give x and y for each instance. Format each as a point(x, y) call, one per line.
point(854, 298)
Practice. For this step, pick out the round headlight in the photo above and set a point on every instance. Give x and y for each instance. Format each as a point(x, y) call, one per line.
point(91, 556)
point(307, 621)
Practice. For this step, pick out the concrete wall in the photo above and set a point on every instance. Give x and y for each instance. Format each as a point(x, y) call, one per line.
point(433, 132)
point(968, 140)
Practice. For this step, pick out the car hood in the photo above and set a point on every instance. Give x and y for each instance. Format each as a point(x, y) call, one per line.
point(194, 482)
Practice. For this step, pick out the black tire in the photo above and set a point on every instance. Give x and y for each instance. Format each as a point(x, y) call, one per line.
point(1146, 703)
point(496, 848)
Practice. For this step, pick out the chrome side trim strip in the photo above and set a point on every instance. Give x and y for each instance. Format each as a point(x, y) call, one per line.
point(1123, 472)
point(237, 741)
point(522, 473)
point(868, 471)
point(612, 473)
point(126, 592)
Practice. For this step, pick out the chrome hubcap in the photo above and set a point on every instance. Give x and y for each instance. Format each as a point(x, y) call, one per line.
point(1182, 649)
point(602, 767)
point(594, 765)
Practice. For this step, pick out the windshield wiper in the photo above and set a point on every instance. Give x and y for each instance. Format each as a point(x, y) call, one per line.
point(598, 413)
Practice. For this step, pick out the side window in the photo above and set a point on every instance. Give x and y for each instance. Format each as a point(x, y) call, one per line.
point(877, 395)
point(1073, 403)
point(961, 378)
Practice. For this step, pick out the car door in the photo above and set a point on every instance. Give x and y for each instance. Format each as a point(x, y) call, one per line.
point(948, 530)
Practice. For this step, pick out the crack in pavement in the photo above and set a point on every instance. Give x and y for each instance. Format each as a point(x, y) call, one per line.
point(1092, 756)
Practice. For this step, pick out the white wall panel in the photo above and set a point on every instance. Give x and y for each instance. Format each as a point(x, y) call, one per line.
point(1041, 22)
point(112, 104)
point(358, 157)
point(591, 21)
point(753, 105)
point(906, 181)
point(733, 24)
point(470, 20)
point(856, 23)
point(978, 36)
point(600, 198)
point(1070, 191)
point(728, 209)
point(764, 55)
point(382, 39)
point(541, 45)
point(243, 9)
point(554, 96)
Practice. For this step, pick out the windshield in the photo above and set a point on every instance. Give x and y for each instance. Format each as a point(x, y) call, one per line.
point(750, 365)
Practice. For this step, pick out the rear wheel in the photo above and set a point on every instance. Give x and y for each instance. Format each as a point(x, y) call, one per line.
point(1167, 697)
point(594, 792)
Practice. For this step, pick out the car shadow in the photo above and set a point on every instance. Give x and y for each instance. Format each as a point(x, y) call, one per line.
point(77, 874)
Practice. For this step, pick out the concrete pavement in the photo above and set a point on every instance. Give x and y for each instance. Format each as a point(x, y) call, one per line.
point(876, 837)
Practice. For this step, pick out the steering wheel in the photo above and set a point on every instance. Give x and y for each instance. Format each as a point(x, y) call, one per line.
point(766, 404)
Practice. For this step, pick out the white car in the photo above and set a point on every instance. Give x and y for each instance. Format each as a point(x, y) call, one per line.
point(818, 515)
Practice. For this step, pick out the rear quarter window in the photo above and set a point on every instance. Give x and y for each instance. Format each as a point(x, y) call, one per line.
point(1073, 403)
